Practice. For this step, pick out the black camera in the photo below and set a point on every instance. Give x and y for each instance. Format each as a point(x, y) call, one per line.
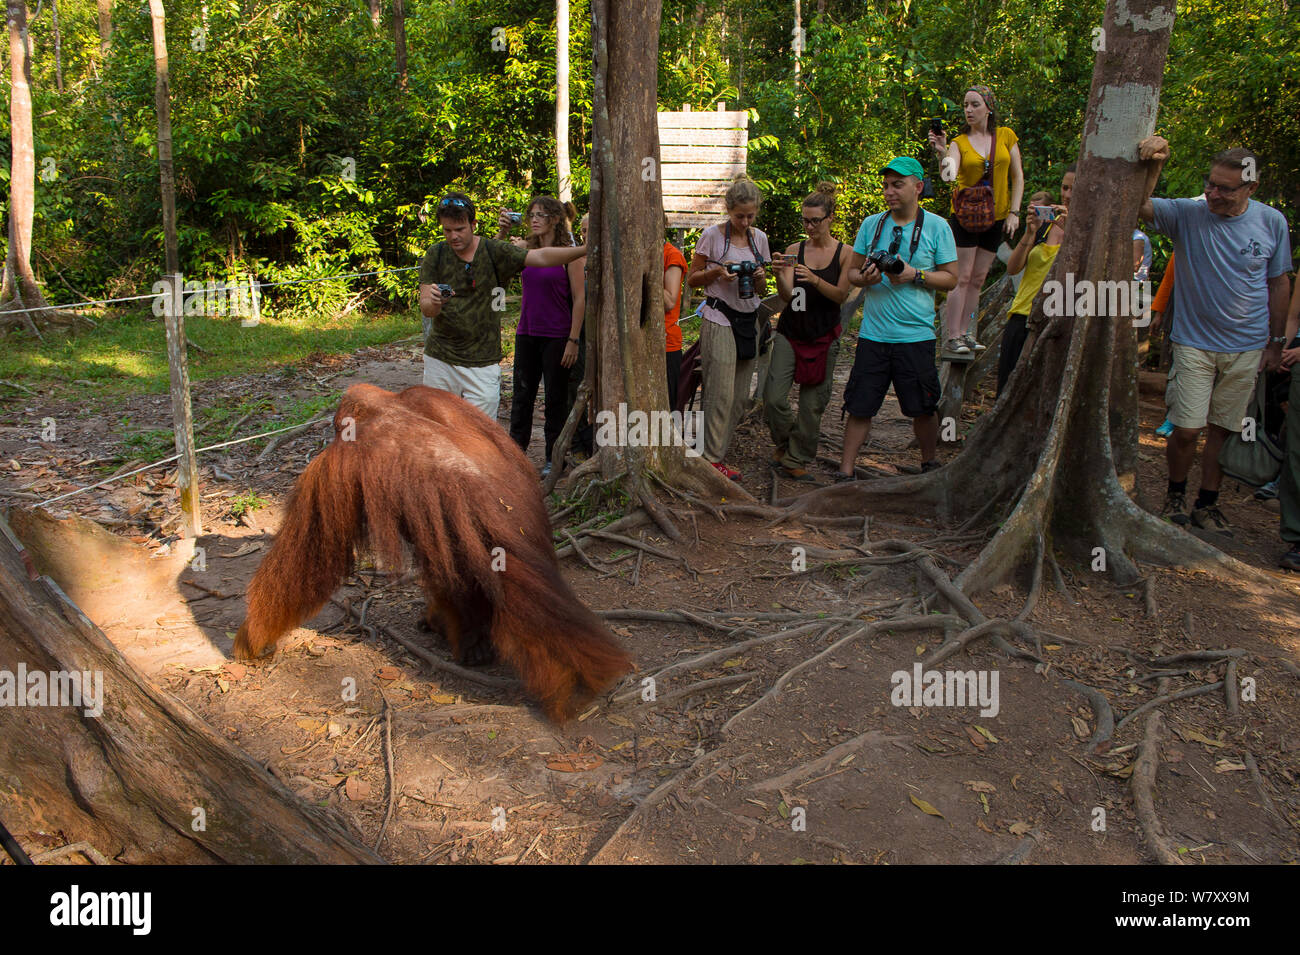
point(936, 126)
point(446, 291)
point(887, 262)
point(745, 272)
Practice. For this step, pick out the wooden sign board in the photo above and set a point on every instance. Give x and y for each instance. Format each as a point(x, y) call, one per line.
point(700, 154)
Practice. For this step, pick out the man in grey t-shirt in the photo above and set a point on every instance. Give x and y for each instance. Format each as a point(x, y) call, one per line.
point(1231, 298)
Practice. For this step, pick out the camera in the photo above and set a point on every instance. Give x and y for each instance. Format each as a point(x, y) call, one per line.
point(936, 126)
point(886, 262)
point(1045, 213)
point(745, 272)
point(446, 291)
point(515, 217)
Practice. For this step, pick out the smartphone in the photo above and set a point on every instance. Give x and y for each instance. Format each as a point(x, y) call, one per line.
point(784, 258)
point(1045, 213)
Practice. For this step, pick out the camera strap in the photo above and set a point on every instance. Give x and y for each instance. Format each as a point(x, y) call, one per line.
point(726, 242)
point(917, 228)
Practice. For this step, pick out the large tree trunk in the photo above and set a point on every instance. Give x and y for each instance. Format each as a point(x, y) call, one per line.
point(1049, 449)
point(19, 289)
point(145, 780)
point(625, 264)
point(162, 102)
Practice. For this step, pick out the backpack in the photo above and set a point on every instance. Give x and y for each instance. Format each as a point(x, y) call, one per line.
point(974, 207)
point(1253, 462)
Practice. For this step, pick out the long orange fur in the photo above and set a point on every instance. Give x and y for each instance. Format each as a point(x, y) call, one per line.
point(426, 469)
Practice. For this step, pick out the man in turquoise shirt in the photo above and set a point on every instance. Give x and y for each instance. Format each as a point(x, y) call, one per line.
point(896, 342)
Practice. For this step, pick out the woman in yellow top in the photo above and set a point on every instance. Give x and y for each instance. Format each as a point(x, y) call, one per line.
point(1035, 254)
point(983, 140)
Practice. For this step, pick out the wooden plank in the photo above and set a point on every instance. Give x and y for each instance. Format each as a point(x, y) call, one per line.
point(711, 204)
point(695, 187)
point(727, 120)
point(701, 170)
point(673, 136)
point(691, 220)
point(728, 154)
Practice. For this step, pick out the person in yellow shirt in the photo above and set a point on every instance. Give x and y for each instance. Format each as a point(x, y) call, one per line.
point(1035, 255)
point(985, 149)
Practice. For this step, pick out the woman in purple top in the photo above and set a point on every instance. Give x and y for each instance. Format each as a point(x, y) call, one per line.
point(550, 323)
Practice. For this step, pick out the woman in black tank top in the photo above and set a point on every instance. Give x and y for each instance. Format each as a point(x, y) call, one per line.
point(814, 283)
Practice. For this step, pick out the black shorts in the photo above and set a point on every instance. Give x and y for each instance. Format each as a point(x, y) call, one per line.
point(989, 239)
point(909, 366)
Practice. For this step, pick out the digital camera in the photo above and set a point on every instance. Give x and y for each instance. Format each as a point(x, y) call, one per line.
point(446, 291)
point(515, 217)
point(887, 262)
point(745, 272)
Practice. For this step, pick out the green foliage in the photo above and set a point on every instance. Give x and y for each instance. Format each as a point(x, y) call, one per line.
point(299, 155)
point(248, 501)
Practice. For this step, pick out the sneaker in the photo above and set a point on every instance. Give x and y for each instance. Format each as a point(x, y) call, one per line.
point(973, 344)
point(1166, 429)
point(1175, 509)
point(727, 472)
point(1268, 492)
point(958, 346)
point(927, 466)
point(1291, 559)
point(1211, 519)
point(799, 474)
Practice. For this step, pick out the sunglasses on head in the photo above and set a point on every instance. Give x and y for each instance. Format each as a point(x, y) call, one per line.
point(453, 203)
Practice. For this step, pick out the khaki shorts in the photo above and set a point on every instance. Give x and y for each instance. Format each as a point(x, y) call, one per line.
point(1210, 386)
point(481, 387)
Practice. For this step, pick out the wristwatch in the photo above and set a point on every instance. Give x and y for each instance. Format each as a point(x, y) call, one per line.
point(1277, 340)
point(573, 341)
point(919, 278)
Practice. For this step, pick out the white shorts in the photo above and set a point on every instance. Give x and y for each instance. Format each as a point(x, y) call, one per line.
point(1210, 386)
point(481, 387)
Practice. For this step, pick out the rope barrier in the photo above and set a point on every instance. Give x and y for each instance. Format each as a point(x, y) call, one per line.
point(211, 447)
point(260, 286)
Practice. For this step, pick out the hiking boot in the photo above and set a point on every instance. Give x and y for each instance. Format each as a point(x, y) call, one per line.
point(957, 346)
point(799, 474)
point(1166, 429)
point(1291, 559)
point(1211, 519)
point(1175, 509)
point(726, 471)
point(928, 466)
point(972, 344)
point(1267, 492)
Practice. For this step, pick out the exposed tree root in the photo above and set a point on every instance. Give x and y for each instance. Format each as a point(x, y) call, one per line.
point(1255, 775)
point(822, 762)
point(1101, 710)
point(1143, 785)
point(1167, 698)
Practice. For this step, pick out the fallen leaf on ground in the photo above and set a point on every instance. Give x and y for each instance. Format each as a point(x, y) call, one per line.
point(244, 549)
point(924, 806)
point(976, 786)
point(1019, 828)
point(1229, 766)
point(1080, 727)
point(388, 673)
point(986, 734)
point(358, 790)
point(574, 762)
point(976, 740)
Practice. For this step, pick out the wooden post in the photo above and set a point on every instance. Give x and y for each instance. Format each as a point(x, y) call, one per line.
point(255, 303)
point(182, 421)
point(562, 172)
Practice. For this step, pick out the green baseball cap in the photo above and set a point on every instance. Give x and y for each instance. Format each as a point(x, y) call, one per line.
point(905, 166)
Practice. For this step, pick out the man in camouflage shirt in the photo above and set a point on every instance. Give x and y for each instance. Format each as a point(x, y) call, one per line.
point(462, 332)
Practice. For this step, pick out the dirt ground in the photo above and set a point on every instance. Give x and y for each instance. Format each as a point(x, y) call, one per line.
point(834, 768)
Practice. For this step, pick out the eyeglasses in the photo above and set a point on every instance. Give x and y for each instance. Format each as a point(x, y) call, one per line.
point(896, 241)
point(469, 273)
point(1221, 190)
point(539, 215)
point(813, 222)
